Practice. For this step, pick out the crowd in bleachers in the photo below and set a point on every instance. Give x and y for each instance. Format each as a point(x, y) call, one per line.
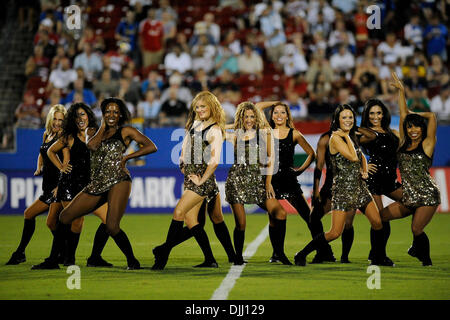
point(312, 54)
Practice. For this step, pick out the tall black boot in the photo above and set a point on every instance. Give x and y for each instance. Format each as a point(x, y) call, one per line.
point(423, 249)
point(202, 239)
point(72, 244)
point(60, 235)
point(124, 245)
point(239, 238)
point(280, 235)
point(100, 239)
point(317, 243)
point(221, 231)
point(162, 252)
point(347, 241)
point(273, 241)
point(29, 225)
point(379, 249)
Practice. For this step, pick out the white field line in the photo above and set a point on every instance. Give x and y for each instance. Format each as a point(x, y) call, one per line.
point(228, 283)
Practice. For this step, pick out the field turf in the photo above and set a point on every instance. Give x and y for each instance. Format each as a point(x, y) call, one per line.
point(259, 279)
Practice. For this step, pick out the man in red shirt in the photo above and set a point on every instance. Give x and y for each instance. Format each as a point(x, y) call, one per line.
point(151, 40)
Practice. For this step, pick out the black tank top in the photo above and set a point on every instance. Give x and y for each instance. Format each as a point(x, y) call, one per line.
point(50, 174)
point(80, 160)
point(286, 150)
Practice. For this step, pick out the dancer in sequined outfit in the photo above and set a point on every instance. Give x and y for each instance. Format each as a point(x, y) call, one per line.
point(50, 176)
point(421, 195)
point(382, 150)
point(110, 181)
point(200, 156)
point(247, 183)
point(349, 191)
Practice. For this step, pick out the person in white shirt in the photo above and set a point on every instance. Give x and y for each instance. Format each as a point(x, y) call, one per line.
point(440, 104)
point(249, 62)
point(63, 76)
point(293, 60)
point(177, 61)
point(342, 60)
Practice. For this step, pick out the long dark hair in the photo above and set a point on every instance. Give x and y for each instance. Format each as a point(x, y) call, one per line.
point(289, 121)
point(385, 121)
point(336, 125)
point(413, 120)
point(70, 127)
point(124, 112)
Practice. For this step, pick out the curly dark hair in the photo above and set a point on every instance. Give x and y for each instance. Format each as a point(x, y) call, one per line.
point(124, 112)
point(335, 124)
point(70, 127)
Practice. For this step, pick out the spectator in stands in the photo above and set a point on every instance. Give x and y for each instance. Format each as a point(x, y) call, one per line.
point(53, 14)
point(225, 60)
point(317, 8)
point(140, 7)
point(149, 108)
point(90, 62)
point(321, 26)
point(232, 41)
point(28, 113)
point(297, 105)
point(89, 36)
point(127, 32)
point(154, 82)
point(417, 102)
point(173, 110)
point(343, 61)
point(297, 83)
point(37, 64)
point(106, 86)
point(151, 39)
point(177, 60)
point(54, 98)
point(201, 59)
point(340, 35)
point(225, 82)
point(249, 62)
point(437, 73)
point(208, 26)
point(369, 54)
point(117, 60)
point(47, 44)
point(319, 66)
point(129, 91)
point(200, 81)
point(390, 47)
point(60, 54)
point(366, 74)
point(440, 104)
point(183, 93)
point(390, 65)
point(62, 77)
point(413, 82)
point(293, 61)
point(170, 28)
point(436, 35)
point(164, 7)
point(413, 32)
point(271, 25)
point(87, 95)
point(225, 98)
point(360, 25)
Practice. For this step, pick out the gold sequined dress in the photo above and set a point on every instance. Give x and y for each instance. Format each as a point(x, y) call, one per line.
point(349, 191)
point(419, 188)
point(245, 183)
point(195, 161)
point(105, 165)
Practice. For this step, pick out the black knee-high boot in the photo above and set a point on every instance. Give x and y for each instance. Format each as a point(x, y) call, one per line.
point(273, 241)
point(423, 249)
point(377, 239)
point(239, 238)
point(280, 235)
point(161, 252)
point(221, 231)
point(202, 239)
point(29, 225)
point(347, 241)
point(60, 235)
point(124, 245)
point(72, 244)
point(100, 239)
point(317, 243)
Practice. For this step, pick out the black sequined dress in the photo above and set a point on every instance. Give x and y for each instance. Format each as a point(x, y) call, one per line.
point(70, 184)
point(349, 191)
point(50, 174)
point(105, 165)
point(195, 161)
point(419, 188)
point(382, 152)
point(284, 181)
point(245, 183)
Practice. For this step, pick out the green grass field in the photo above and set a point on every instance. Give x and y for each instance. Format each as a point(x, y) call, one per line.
point(259, 279)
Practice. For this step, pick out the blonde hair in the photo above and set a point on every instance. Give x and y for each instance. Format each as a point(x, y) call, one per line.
point(239, 118)
point(216, 110)
point(51, 115)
